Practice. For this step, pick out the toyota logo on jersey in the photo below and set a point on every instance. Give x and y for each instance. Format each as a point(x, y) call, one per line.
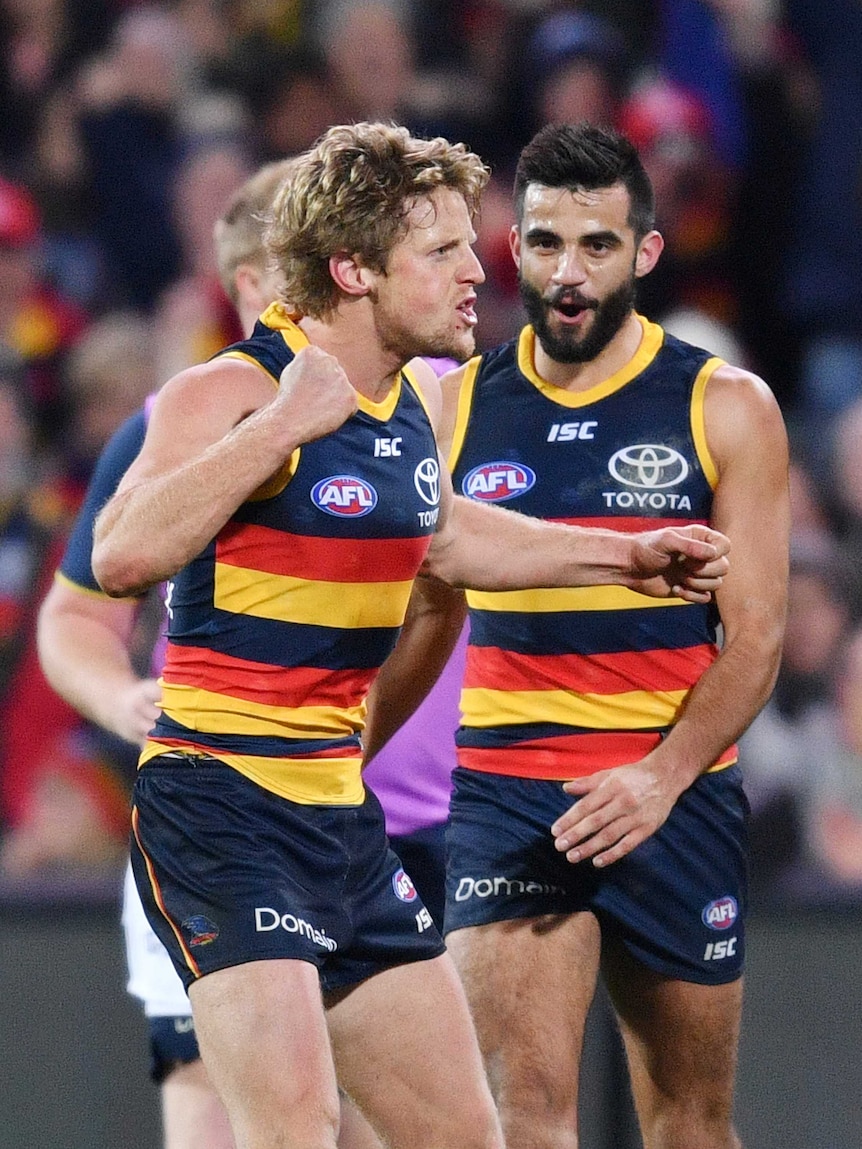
point(344, 496)
point(497, 482)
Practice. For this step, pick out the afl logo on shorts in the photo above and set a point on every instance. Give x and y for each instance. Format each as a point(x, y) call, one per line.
point(720, 914)
point(344, 496)
point(403, 886)
point(497, 482)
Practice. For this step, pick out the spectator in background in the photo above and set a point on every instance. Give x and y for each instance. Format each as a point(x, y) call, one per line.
point(63, 809)
point(777, 752)
point(573, 70)
point(193, 316)
point(41, 43)
point(368, 49)
point(823, 263)
point(828, 870)
point(144, 106)
point(672, 129)
point(38, 325)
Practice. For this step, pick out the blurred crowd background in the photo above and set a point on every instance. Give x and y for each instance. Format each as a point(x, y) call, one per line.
point(125, 126)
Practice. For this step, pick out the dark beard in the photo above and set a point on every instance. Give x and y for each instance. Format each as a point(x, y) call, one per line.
point(567, 347)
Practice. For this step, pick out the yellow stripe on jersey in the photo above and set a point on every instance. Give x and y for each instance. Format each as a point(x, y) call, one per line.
point(630, 710)
point(346, 606)
point(212, 713)
point(308, 781)
point(546, 600)
point(698, 420)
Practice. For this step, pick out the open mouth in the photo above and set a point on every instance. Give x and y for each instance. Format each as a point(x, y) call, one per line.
point(569, 311)
point(467, 311)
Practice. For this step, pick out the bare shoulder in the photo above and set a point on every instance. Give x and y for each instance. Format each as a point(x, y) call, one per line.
point(741, 411)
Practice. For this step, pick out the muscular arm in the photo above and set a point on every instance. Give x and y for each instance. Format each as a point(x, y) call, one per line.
point(622, 807)
point(217, 433)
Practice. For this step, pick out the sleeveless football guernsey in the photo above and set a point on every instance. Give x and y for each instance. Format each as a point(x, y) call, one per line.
point(563, 683)
point(278, 628)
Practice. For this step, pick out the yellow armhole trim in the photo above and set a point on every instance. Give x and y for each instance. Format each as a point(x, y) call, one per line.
point(462, 416)
point(76, 586)
point(651, 340)
point(698, 422)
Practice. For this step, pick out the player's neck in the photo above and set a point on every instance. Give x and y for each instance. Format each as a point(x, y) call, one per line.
point(354, 342)
point(584, 376)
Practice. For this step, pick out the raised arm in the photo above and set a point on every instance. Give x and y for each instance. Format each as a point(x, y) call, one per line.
point(216, 434)
point(747, 440)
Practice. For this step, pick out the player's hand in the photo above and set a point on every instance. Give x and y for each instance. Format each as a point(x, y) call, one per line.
point(136, 710)
point(316, 394)
point(617, 810)
point(682, 562)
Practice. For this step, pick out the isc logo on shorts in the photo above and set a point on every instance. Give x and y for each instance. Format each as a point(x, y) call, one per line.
point(344, 496)
point(497, 482)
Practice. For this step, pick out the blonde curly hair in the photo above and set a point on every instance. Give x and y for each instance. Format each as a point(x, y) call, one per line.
point(352, 192)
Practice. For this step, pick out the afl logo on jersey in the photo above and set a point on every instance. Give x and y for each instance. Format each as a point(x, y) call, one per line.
point(720, 914)
point(403, 886)
point(497, 482)
point(345, 496)
point(649, 465)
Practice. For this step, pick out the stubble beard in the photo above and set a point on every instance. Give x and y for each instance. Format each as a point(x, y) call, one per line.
point(568, 345)
point(407, 343)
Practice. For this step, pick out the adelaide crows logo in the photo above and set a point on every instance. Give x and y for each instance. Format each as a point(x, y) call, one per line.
point(201, 929)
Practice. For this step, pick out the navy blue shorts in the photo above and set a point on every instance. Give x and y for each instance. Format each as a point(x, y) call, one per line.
point(230, 873)
point(173, 1041)
point(677, 902)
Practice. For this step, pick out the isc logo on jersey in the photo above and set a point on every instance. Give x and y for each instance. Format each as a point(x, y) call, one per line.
point(720, 914)
point(344, 496)
point(497, 482)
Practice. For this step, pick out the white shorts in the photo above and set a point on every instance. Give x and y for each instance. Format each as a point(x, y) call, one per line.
point(152, 977)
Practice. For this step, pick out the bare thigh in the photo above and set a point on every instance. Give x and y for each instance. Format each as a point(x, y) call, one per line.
point(530, 983)
point(407, 1053)
point(192, 1112)
point(681, 1041)
point(263, 1038)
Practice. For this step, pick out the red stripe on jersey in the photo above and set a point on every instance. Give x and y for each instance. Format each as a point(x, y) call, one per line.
point(264, 683)
point(310, 557)
point(491, 668)
point(569, 756)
